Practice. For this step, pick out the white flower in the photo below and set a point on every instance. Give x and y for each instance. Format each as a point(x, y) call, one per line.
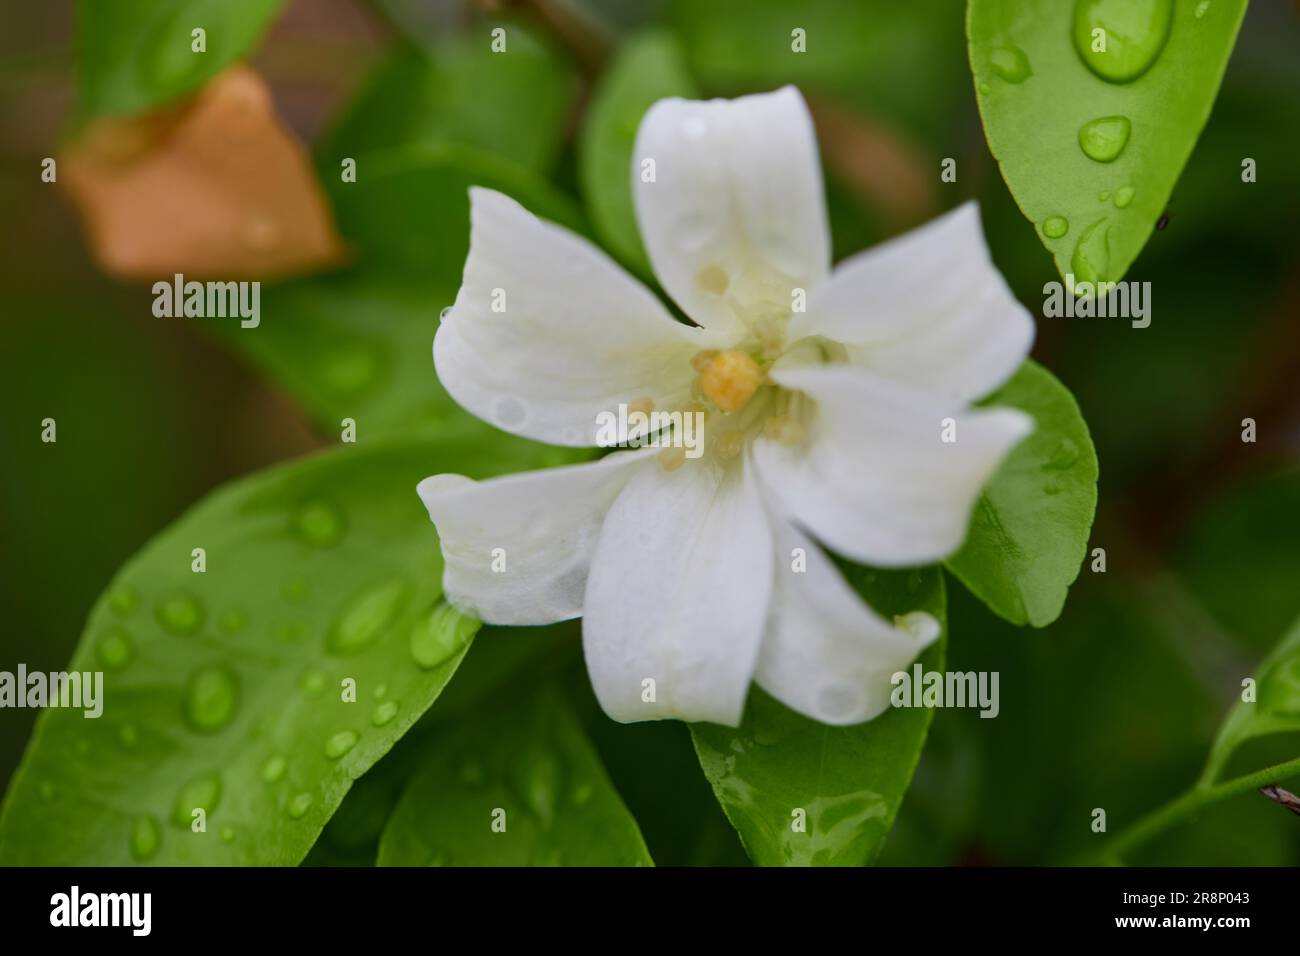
point(822, 425)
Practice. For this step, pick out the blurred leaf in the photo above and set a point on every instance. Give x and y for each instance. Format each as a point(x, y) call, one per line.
point(408, 211)
point(529, 766)
point(1275, 709)
point(514, 104)
point(134, 54)
point(648, 68)
point(223, 689)
point(1029, 533)
point(1121, 125)
point(897, 62)
point(1241, 560)
point(849, 781)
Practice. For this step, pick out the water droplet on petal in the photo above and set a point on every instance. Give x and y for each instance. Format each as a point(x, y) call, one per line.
point(210, 698)
point(1104, 139)
point(509, 412)
point(1119, 40)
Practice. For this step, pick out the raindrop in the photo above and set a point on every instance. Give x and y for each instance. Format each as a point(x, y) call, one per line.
point(440, 636)
point(318, 523)
point(1065, 455)
point(124, 601)
point(273, 769)
point(115, 649)
point(144, 838)
point(313, 682)
point(537, 780)
point(442, 316)
point(1201, 8)
point(210, 698)
point(203, 791)
point(1054, 227)
point(180, 614)
point(299, 806)
point(1124, 196)
point(1104, 139)
point(1134, 32)
point(366, 616)
point(339, 744)
point(1091, 257)
point(1010, 63)
point(509, 412)
point(384, 712)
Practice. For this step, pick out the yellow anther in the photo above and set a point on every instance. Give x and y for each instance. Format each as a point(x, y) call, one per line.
point(730, 379)
point(700, 361)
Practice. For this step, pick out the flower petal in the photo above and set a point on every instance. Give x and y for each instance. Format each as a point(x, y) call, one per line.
point(517, 548)
point(827, 654)
point(928, 308)
point(678, 594)
point(547, 332)
point(875, 481)
point(736, 205)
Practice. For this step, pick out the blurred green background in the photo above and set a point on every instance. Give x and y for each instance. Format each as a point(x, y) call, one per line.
point(1112, 706)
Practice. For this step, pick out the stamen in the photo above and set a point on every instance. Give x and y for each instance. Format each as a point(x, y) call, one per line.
point(730, 380)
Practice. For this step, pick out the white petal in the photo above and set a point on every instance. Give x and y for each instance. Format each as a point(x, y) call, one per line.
point(737, 187)
point(928, 308)
point(577, 337)
point(875, 481)
point(678, 593)
point(539, 526)
point(827, 654)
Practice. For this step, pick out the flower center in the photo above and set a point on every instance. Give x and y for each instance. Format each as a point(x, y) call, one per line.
point(728, 379)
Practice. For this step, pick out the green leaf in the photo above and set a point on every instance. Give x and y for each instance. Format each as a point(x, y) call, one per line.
point(849, 781)
point(529, 768)
point(647, 69)
point(1029, 533)
point(134, 54)
point(1053, 121)
point(352, 346)
point(1275, 709)
point(512, 104)
point(224, 689)
point(408, 211)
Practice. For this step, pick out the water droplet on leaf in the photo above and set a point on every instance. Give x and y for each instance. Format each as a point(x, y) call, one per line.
point(1104, 139)
point(1134, 32)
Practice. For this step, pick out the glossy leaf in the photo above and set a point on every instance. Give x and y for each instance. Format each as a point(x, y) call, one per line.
point(647, 69)
point(512, 786)
point(460, 92)
point(1029, 533)
point(226, 689)
point(848, 781)
point(1091, 142)
point(135, 54)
